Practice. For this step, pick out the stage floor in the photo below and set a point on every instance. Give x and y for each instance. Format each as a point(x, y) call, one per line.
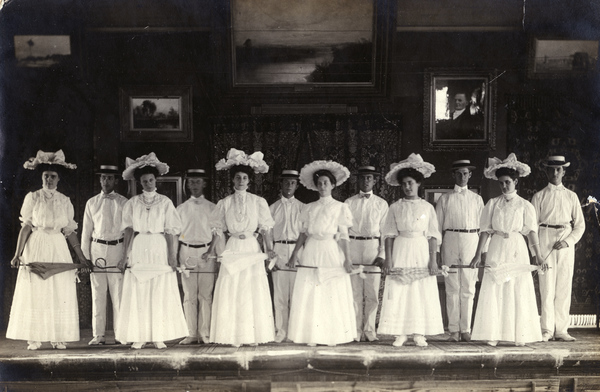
point(288, 362)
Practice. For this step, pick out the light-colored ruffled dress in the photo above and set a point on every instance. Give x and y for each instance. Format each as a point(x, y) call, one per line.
point(507, 311)
point(46, 310)
point(151, 308)
point(322, 312)
point(412, 308)
point(242, 312)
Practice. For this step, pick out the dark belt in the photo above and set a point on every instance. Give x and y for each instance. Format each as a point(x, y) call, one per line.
point(464, 230)
point(285, 242)
point(194, 246)
point(147, 232)
point(363, 238)
point(557, 227)
point(104, 242)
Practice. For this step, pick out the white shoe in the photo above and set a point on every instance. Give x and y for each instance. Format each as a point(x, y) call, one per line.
point(58, 345)
point(32, 345)
point(519, 344)
point(565, 337)
point(400, 340)
point(420, 340)
point(97, 340)
point(280, 337)
point(546, 336)
point(160, 345)
point(189, 340)
point(492, 343)
point(138, 345)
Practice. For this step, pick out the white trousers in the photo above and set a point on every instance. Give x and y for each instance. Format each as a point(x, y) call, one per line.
point(556, 283)
point(103, 283)
point(197, 291)
point(283, 287)
point(459, 248)
point(365, 291)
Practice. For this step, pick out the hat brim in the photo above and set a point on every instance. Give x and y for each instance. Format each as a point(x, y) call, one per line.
point(340, 172)
point(470, 167)
point(424, 168)
point(566, 164)
point(162, 168)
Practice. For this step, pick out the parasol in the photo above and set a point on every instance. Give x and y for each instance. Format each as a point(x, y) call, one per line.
point(506, 272)
point(46, 270)
point(409, 275)
point(326, 273)
point(145, 272)
point(235, 262)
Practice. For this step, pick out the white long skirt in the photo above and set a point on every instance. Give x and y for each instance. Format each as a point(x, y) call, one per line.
point(45, 310)
point(150, 311)
point(242, 312)
point(507, 311)
point(322, 313)
point(411, 308)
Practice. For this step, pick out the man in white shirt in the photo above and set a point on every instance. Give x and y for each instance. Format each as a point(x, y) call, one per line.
point(561, 225)
point(198, 278)
point(102, 242)
point(458, 214)
point(286, 213)
point(366, 249)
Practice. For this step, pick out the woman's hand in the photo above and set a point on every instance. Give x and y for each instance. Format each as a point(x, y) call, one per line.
point(122, 265)
point(271, 254)
point(348, 266)
point(378, 262)
point(542, 263)
point(433, 266)
point(293, 261)
point(15, 262)
point(173, 262)
point(386, 267)
point(476, 261)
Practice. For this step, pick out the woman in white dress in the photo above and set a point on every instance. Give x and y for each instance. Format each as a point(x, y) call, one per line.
point(411, 239)
point(151, 308)
point(46, 309)
point(322, 309)
point(242, 312)
point(507, 311)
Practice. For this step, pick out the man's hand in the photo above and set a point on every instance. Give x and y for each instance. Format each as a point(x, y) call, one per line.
point(560, 245)
point(378, 262)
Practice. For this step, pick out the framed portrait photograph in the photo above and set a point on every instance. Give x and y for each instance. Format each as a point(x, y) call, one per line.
point(433, 193)
point(562, 58)
point(310, 46)
point(460, 110)
point(156, 113)
point(170, 186)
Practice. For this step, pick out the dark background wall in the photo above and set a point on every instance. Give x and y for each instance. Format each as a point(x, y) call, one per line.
point(75, 104)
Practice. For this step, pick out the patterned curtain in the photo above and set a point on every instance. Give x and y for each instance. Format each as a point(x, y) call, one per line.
point(291, 141)
point(552, 125)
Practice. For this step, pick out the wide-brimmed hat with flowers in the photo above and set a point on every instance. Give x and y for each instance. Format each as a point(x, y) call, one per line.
point(143, 161)
point(340, 172)
point(238, 157)
point(413, 161)
point(510, 162)
point(48, 158)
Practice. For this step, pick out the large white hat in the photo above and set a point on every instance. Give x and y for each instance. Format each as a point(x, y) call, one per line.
point(143, 161)
point(49, 158)
point(510, 162)
point(413, 161)
point(340, 172)
point(238, 157)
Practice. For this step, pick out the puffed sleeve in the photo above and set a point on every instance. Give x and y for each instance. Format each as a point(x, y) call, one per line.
point(172, 220)
point(344, 221)
point(529, 218)
point(27, 210)
point(389, 228)
point(217, 219)
point(127, 217)
point(485, 222)
point(265, 220)
point(433, 230)
point(304, 218)
point(71, 225)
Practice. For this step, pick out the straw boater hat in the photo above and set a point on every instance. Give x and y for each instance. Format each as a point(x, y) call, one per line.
point(340, 172)
point(367, 170)
point(238, 157)
point(143, 161)
point(413, 161)
point(289, 174)
point(463, 163)
point(189, 173)
point(108, 169)
point(556, 161)
point(510, 162)
point(48, 158)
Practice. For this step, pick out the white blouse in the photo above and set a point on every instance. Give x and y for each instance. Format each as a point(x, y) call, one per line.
point(48, 210)
point(154, 213)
